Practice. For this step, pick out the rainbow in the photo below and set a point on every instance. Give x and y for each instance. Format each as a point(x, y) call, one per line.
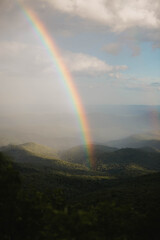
point(66, 77)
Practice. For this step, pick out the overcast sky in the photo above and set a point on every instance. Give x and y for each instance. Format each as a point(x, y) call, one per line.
point(111, 48)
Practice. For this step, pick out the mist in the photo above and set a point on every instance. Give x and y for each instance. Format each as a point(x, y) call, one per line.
point(58, 127)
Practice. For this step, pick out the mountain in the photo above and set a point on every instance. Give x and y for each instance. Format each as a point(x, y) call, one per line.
point(109, 162)
point(79, 154)
point(117, 162)
point(130, 162)
point(44, 197)
point(29, 149)
point(38, 204)
point(39, 150)
point(138, 141)
point(41, 168)
point(39, 157)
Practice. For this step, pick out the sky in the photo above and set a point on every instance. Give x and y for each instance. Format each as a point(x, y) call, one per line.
point(111, 49)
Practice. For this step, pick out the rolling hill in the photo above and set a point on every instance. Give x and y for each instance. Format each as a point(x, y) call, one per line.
point(117, 162)
point(48, 198)
point(130, 162)
point(43, 204)
point(79, 155)
point(40, 157)
point(109, 162)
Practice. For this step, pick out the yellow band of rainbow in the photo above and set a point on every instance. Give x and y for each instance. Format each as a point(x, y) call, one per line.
point(65, 76)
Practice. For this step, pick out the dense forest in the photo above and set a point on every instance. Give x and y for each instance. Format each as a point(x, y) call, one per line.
point(45, 197)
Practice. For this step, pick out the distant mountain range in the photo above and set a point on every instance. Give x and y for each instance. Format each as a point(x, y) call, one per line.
point(138, 141)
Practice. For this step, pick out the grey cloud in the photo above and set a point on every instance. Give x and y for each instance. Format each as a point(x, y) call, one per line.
point(131, 20)
point(135, 20)
point(119, 15)
point(113, 48)
point(23, 58)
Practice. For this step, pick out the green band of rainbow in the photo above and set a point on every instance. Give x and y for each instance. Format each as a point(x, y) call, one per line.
point(66, 77)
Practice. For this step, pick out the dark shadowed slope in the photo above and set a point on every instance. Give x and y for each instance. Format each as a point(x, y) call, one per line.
point(129, 162)
point(79, 155)
point(118, 163)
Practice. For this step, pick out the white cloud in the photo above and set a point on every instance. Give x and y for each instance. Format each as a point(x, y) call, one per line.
point(79, 62)
point(83, 63)
point(115, 75)
point(29, 59)
point(119, 15)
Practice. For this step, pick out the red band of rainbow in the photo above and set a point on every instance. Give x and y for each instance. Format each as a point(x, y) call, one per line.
point(65, 76)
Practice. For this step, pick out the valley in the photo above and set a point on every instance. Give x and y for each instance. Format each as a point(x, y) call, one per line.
point(56, 188)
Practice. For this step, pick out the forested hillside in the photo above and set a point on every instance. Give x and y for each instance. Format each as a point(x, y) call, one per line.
point(47, 198)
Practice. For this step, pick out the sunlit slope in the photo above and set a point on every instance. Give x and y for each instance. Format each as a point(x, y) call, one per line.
point(29, 149)
point(39, 150)
point(39, 157)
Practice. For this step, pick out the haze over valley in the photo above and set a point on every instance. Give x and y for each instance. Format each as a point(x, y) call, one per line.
point(60, 129)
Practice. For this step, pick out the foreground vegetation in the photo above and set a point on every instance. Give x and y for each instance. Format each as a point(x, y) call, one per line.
point(36, 203)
